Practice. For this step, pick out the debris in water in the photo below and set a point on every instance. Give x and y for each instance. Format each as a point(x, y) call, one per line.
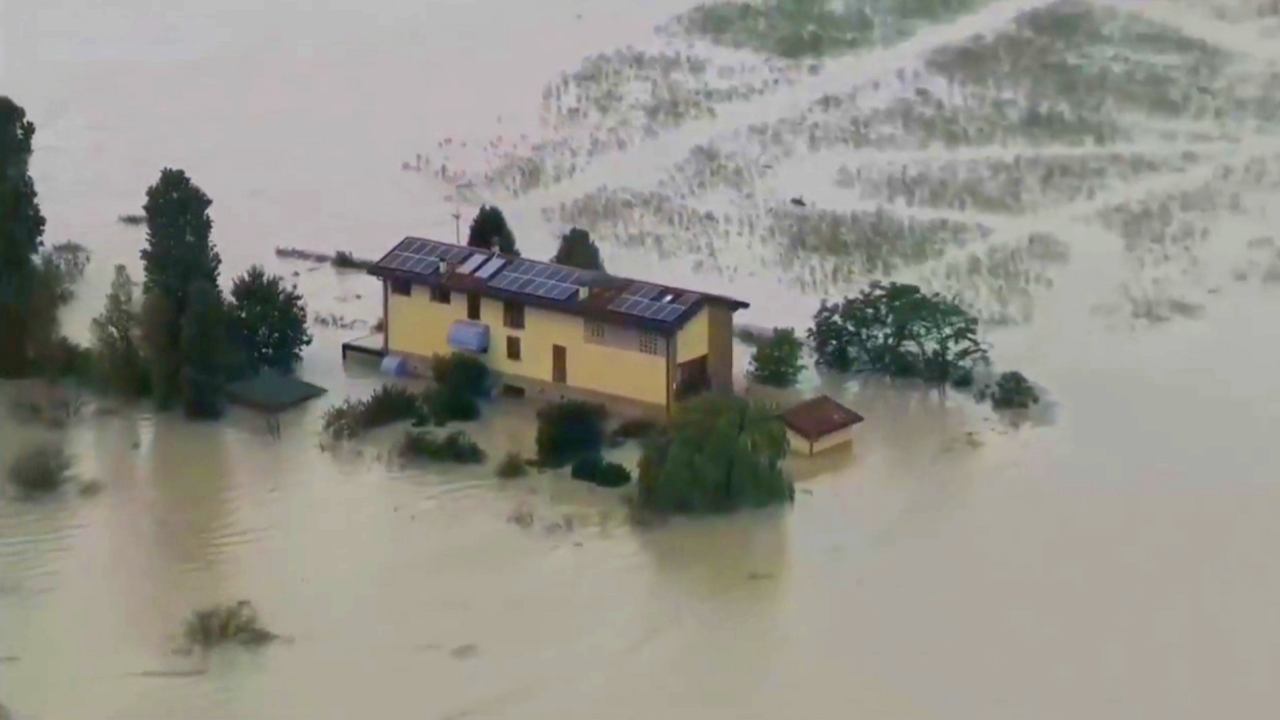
point(464, 652)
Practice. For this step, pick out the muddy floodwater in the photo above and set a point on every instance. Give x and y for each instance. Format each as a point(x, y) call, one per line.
point(1115, 555)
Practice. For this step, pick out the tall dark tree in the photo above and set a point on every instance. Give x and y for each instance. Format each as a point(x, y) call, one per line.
point(577, 249)
point(21, 230)
point(179, 255)
point(204, 351)
point(269, 320)
point(489, 230)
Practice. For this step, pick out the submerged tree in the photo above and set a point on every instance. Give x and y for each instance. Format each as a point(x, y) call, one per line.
point(178, 257)
point(203, 352)
point(776, 360)
point(21, 230)
point(720, 454)
point(269, 320)
point(897, 329)
point(489, 231)
point(577, 249)
point(116, 339)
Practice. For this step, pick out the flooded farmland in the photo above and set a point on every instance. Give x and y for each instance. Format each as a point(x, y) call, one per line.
point(1097, 180)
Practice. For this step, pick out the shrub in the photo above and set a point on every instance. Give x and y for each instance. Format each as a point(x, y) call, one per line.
point(387, 404)
point(962, 378)
point(489, 231)
point(569, 430)
point(512, 466)
point(235, 623)
point(776, 361)
point(613, 475)
point(577, 249)
point(347, 261)
point(721, 453)
point(586, 468)
point(40, 470)
point(457, 447)
point(1013, 391)
point(446, 405)
point(462, 373)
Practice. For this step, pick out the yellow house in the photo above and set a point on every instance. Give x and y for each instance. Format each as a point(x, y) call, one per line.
point(553, 330)
point(819, 424)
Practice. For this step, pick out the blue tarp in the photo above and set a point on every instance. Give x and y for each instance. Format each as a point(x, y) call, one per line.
point(395, 366)
point(469, 336)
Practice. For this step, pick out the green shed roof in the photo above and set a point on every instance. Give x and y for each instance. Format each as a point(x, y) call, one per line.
point(272, 392)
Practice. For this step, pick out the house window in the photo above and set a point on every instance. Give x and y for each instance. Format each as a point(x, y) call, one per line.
point(650, 343)
point(401, 287)
point(513, 347)
point(595, 331)
point(513, 315)
point(440, 295)
point(473, 306)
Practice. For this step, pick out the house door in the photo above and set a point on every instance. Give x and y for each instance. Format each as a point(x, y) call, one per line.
point(559, 362)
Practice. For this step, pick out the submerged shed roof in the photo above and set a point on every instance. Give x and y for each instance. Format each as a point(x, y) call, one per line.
point(818, 417)
point(596, 295)
point(272, 392)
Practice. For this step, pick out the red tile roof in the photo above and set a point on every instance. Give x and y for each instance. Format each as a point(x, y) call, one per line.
point(818, 417)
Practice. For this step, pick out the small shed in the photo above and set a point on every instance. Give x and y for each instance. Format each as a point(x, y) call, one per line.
point(271, 392)
point(819, 424)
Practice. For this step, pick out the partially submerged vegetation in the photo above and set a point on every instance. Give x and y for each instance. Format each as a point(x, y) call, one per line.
point(569, 430)
point(388, 404)
point(455, 447)
point(595, 470)
point(232, 624)
point(513, 465)
point(40, 470)
point(1013, 391)
point(777, 359)
point(721, 453)
point(899, 330)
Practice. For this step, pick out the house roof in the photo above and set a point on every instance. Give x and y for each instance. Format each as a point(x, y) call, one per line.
point(818, 417)
point(272, 392)
point(597, 295)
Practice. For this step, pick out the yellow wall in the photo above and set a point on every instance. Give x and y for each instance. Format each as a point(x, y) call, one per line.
point(800, 446)
point(692, 340)
point(418, 326)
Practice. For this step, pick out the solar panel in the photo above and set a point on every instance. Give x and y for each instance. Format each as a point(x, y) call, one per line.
point(472, 263)
point(562, 291)
point(643, 291)
point(670, 312)
point(489, 268)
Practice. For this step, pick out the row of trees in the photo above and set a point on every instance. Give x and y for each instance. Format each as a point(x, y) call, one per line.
point(490, 231)
point(182, 340)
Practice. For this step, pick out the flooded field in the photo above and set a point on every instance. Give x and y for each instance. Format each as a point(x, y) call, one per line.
point(1096, 179)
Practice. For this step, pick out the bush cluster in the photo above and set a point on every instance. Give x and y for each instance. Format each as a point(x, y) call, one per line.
point(569, 430)
point(455, 447)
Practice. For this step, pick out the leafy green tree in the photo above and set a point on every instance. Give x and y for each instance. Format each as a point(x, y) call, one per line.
point(269, 320)
point(897, 329)
point(178, 257)
point(21, 230)
point(577, 249)
point(720, 454)
point(776, 360)
point(1013, 391)
point(203, 351)
point(489, 230)
point(116, 339)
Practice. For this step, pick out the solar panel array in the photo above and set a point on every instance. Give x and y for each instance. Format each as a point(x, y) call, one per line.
point(489, 268)
point(547, 281)
point(472, 263)
point(638, 300)
point(420, 256)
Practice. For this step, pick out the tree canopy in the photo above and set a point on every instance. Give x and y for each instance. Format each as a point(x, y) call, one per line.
point(179, 256)
point(577, 249)
point(115, 339)
point(897, 329)
point(489, 231)
point(21, 231)
point(269, 320)
point(776, 360)
point(204, 352)
point(721, 453)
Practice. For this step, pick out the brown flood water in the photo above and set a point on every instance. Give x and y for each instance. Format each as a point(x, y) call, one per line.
point(1115, 558)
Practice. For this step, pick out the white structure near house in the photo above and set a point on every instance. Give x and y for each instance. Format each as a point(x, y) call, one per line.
point(819, 424)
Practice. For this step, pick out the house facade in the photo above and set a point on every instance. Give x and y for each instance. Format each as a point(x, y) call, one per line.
point(555, 331)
